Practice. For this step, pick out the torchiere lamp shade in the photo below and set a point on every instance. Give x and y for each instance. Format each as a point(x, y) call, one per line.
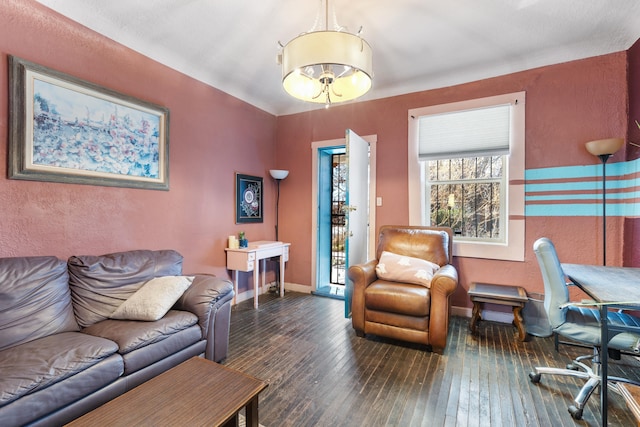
point(278, 173)
point(600, 147)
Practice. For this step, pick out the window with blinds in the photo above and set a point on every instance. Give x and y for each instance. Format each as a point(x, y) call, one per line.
point(470, 133)
point(466, 170)
point(466, 156)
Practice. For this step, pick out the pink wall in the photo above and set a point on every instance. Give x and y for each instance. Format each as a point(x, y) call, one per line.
point(567, 105)
point(212, 135)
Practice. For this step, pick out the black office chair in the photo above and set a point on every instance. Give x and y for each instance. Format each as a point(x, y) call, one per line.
point(578, 323)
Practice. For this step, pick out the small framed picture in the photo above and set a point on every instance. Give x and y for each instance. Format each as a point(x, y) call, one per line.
point(248, 198)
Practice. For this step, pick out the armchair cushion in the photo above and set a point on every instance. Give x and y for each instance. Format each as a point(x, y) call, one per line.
point(154, 299)
point(410, 300)
point(401, 268)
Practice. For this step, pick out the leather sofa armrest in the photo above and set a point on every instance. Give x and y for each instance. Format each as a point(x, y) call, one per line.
point(443, 284)
point(209, 297)
point(361, 275)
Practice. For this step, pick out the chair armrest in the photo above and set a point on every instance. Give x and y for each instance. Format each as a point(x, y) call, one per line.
point(443, 284)
point(208, 296)
point(361, 276)
point(445, 280)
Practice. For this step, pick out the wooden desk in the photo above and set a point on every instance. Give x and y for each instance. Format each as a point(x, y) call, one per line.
point(198, 392)
point(246, 259)
point(513, 296)
point(611, 287)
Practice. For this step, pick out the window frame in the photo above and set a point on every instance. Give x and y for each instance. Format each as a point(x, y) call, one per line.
point(513, 248)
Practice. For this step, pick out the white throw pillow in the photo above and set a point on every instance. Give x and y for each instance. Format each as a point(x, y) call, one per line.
point(400, 268)
point(153, 299)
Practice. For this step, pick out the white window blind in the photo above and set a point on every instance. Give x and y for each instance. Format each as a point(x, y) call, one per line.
point(469, 133)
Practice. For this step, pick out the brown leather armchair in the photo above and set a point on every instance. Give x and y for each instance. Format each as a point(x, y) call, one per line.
point(406, 311)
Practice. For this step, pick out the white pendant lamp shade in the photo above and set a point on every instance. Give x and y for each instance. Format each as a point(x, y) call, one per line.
point(327, 67)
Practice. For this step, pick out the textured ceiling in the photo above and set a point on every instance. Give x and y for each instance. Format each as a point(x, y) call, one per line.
point(417, 44)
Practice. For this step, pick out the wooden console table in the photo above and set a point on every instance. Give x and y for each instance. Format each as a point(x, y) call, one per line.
point(246, 259)
point(513, 296)
point(197, 392)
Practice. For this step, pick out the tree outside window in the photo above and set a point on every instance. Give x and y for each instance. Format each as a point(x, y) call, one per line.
point(467, 194)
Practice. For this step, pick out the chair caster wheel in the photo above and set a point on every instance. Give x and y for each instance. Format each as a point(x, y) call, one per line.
point(535, 378)
point(576, 413)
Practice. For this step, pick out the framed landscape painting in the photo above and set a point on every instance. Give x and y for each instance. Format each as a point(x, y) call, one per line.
point(64, 129)
point(248, 198)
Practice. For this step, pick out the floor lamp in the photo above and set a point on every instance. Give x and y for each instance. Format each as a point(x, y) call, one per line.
point(603, 149)
point(278, 175)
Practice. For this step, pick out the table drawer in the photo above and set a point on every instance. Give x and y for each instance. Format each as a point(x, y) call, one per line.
point(241, 261)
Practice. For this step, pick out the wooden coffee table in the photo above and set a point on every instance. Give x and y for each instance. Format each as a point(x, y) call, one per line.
point(198, 392)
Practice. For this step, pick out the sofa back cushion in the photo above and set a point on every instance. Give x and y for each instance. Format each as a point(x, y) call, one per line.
point(99, 284)
point(35, 301)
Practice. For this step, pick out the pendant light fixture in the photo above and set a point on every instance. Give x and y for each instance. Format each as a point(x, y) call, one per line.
point(326, 66)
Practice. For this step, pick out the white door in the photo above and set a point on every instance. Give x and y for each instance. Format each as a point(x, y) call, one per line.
point(357, 206)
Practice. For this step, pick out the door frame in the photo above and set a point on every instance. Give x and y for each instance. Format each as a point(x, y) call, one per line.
point(340, 142)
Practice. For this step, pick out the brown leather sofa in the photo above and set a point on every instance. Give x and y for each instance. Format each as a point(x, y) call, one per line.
point(406, 311)
point(61, 352)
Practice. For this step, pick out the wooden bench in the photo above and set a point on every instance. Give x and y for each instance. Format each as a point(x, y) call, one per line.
point(513, 296)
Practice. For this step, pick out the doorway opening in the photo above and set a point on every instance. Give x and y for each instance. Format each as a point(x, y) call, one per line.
point(330, 196)
point(332, 248)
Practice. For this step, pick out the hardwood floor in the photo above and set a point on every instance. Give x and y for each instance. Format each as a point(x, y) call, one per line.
point(321, 374)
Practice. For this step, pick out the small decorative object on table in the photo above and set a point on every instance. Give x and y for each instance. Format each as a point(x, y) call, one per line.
point(244, 243)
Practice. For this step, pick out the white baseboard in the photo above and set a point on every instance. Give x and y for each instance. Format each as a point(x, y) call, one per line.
point(461, 311)
point(494, 316)
point(248, 294)
point(296, 287)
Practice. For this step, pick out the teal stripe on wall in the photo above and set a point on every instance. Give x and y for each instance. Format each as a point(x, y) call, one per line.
point(583, 183)
point(595, 209)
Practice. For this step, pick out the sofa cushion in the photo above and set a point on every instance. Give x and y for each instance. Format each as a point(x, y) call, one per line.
point(130, 335)
point(38, 364)
point(401, 268)
point(153, 299)
point(181, 342)
point(34, 299)
point(100, 284)
point(46, 406)
point(143, 343)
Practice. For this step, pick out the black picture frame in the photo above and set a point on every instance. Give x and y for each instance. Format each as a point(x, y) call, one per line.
point(249, 195)
point(64, 129)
